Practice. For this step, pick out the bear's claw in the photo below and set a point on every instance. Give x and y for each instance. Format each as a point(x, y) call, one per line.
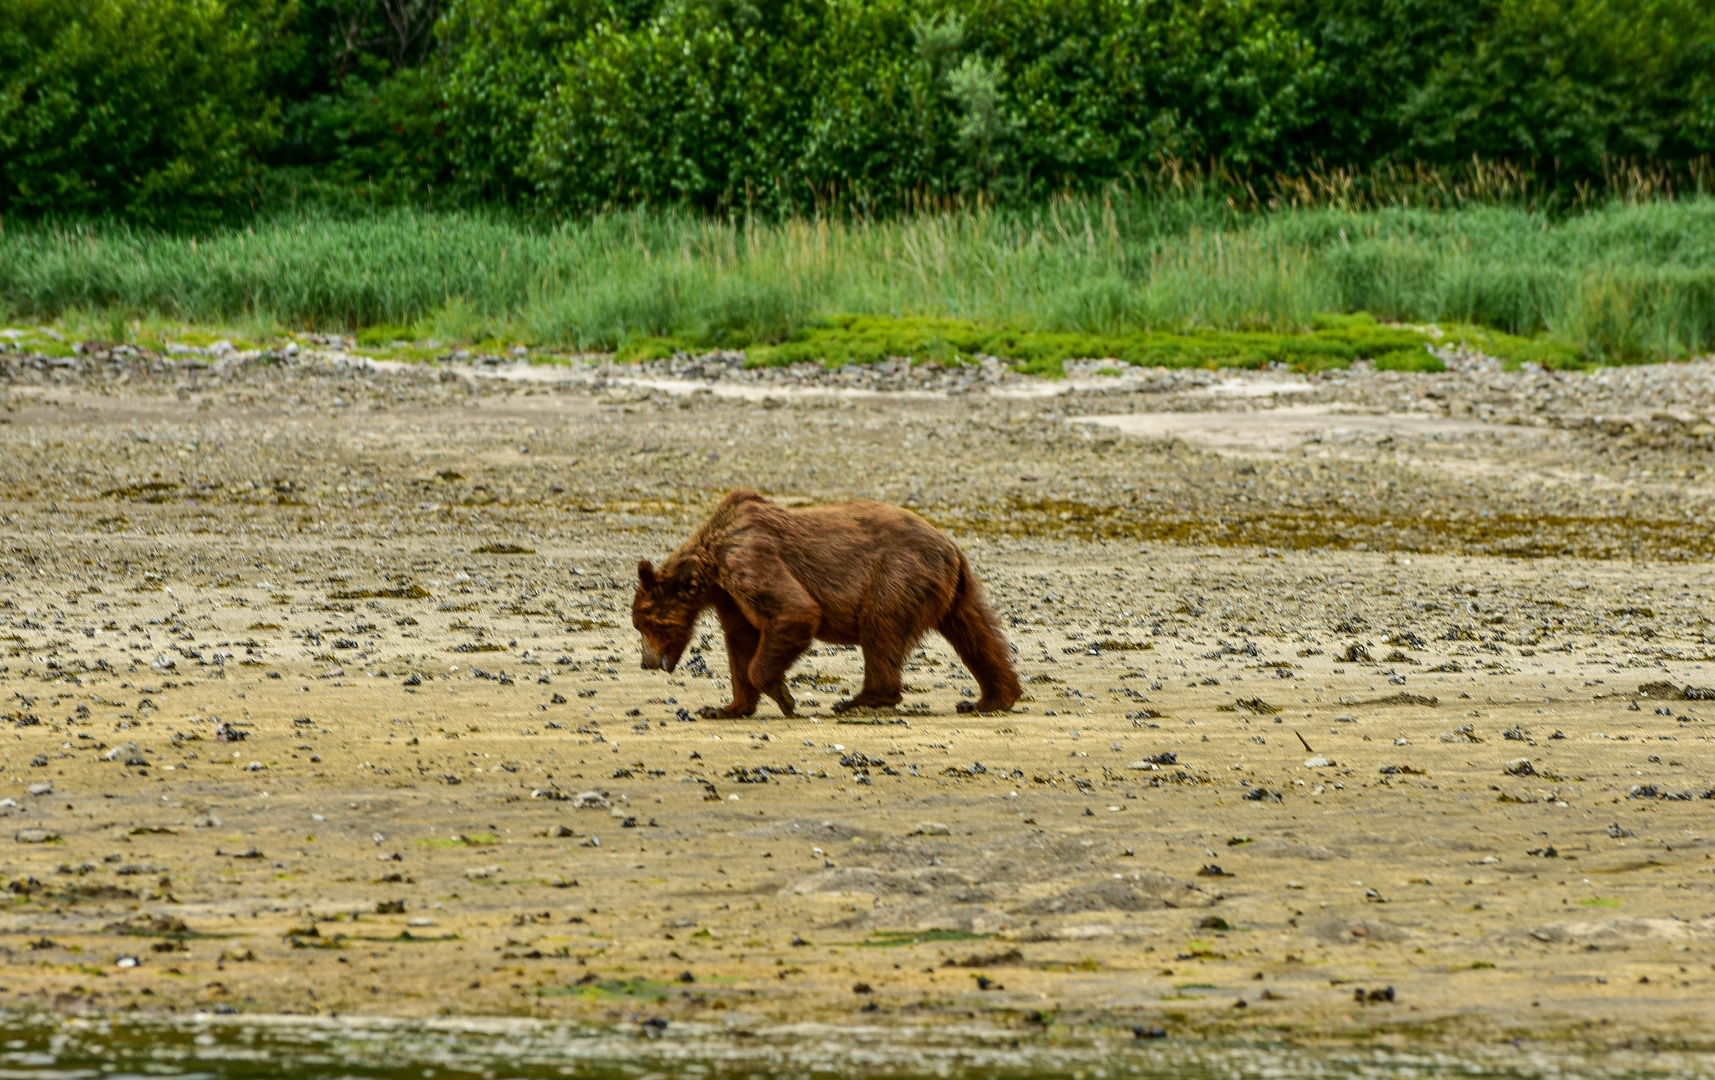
point(725, 712)
point(859, 703)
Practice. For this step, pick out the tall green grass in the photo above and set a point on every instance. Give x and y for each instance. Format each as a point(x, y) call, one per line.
point(1624, 283)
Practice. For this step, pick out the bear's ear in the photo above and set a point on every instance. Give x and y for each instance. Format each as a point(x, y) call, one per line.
point(689, 574)
point(646, 574)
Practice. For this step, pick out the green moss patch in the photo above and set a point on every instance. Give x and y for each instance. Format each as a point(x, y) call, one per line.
point(1332, 341)
point(1514, 352)
point(1395, 529)
point(612, 989)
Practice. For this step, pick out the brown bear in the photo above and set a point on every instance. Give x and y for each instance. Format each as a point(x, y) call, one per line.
point(856, 573)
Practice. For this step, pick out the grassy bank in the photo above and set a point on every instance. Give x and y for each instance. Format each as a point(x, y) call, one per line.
point(1104, 277)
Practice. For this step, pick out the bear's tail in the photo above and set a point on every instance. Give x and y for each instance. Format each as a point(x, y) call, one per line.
point(974, 632)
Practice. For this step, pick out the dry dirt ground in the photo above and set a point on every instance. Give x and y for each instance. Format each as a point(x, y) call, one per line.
point(1366, 707)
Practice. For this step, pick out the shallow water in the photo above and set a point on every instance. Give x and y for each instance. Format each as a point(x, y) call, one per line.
point(239, 1048)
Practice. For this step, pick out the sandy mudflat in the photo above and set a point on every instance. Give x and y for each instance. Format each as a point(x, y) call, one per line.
point(331, 677)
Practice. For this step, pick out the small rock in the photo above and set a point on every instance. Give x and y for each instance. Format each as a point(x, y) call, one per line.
point(37, 836)
point(480, 873)
point(1317, 762)
point(931, 828)
point(1155, 761)
point(43, 788)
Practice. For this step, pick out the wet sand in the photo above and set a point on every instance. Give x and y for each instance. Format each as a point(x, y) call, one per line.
point(1336, 729)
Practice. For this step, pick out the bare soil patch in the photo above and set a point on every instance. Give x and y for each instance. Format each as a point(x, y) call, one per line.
point(322, 697)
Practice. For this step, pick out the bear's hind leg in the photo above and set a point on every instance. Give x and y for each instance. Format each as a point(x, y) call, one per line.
point(972, 630)
point(986, 654)
point(883, 686)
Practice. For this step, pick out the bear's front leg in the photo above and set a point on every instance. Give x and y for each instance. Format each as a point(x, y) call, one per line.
point(783, 698)
point(769, 621)
point(741, 641)
point(782, 642)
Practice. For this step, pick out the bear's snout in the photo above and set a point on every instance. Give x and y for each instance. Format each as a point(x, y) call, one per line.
point(653, 658)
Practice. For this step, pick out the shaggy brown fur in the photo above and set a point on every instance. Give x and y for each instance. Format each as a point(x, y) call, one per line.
point(856, 573)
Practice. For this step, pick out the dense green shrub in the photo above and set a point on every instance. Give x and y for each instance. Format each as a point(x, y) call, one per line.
point(787, 103)
point(143, 108)
point(1571, 85)
point(174, 111)
point(364, 118)
point(695, 106)
point(503, 59)
point(790, 102)
point(1371, 56)
point(381, 140)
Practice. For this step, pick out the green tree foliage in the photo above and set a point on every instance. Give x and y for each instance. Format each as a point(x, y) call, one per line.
point(375, 138)
point(503, 60)
point(1372, 56)
point(149, 109)
point(364, 116)
point(724, 103)
point(179, 110)
point(1572, 84)
point(732, 102)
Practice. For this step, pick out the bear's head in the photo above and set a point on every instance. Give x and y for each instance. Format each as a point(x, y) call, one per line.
point(665, 609)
